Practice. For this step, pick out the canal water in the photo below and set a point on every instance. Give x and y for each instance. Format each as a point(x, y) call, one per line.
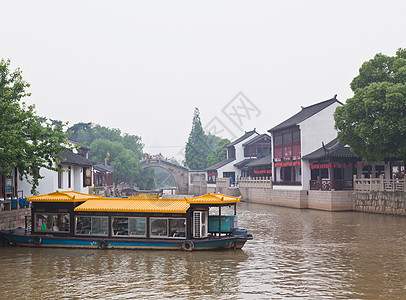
point(295, 254)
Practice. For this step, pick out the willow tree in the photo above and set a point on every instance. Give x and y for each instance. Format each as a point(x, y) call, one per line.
point(373, 121)
point(27, 142)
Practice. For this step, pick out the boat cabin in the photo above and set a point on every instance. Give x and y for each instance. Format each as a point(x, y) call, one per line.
point(118, 220)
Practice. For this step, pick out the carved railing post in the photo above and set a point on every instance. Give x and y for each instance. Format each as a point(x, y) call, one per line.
point(382, 184)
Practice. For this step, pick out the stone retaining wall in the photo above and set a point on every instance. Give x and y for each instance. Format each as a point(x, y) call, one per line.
point(289, 198)
point(330, 200)
point(393, 203)
point(13, 218)
point(321, 200)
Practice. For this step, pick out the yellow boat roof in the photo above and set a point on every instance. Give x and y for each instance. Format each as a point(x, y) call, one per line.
point(63, 196)
point(135, 205)
point(217, 198)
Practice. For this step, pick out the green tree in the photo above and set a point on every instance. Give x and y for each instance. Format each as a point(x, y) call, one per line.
point(219, 153)
point(373, 121)
point(125, 151)
point(27, 141)
point(79, 127)
point(125, 160)
point(197, 148)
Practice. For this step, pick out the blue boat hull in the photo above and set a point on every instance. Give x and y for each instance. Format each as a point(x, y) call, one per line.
point(225, 242)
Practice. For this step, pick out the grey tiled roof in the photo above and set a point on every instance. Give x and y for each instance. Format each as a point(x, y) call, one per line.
point(220, 164)
point(240, 139)
point(243, 163)
point(332, 149)
point(70, 158)
point(257, 138)
point(264, 161)
point(104, 168)
point(304, 114)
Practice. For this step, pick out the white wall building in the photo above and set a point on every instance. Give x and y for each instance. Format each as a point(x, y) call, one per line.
point(247, 148)
point(77, 176)
point(298, 136)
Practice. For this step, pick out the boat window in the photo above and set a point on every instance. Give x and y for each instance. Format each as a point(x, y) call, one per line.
point(52, 222)
point(129, 226)
point(159, 227)
point(177, 227)
point(92, 225)
point(137, 226)
point(120, 226)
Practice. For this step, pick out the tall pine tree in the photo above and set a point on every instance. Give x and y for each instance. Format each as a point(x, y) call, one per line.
point(197, 148)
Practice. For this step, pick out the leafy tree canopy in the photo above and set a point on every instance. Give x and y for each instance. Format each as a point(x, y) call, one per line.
point(219, 153)
point(373, 121)
point(110, 146)
point(27, 141)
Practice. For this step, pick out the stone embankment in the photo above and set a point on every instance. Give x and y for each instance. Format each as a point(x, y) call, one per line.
point(14, 218)
point(383, 202)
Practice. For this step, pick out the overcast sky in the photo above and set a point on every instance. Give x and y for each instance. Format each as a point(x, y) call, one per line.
point(143, 66)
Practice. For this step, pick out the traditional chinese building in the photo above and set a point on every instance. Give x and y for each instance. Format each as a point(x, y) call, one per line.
point(77, 174)
point(298, 136)
point(248, 148)
point(103, 175)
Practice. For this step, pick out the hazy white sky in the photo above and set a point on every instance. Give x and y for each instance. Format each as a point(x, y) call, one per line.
point(143, 66)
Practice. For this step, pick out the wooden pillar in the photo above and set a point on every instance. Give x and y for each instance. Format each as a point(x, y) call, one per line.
point(331, 175)
point(320, 180)
point(219, 221)
point(283, 173)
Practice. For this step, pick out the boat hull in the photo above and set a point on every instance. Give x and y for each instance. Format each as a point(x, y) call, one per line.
point(40, 241)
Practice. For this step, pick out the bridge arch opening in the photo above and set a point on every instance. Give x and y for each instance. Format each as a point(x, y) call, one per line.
point(180, 174)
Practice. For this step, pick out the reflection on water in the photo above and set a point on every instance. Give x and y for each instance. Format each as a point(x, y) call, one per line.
point(295, 253)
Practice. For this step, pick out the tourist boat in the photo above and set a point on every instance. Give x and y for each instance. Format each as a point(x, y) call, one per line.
point(74, 220)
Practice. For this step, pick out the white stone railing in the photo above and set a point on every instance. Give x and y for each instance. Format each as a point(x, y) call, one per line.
point(255, 183)
point(222, 182)
point(379, 184)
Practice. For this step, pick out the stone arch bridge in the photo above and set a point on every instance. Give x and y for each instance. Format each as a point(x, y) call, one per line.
point(179, 173)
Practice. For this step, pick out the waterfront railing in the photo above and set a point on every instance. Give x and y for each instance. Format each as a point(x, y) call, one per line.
point(255, 182)
point(379, 184)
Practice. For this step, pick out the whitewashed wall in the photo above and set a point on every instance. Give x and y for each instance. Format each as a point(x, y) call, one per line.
point(49, 183)
point(315, 130)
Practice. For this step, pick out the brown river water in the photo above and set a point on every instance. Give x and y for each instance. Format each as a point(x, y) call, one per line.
point(300, 254)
